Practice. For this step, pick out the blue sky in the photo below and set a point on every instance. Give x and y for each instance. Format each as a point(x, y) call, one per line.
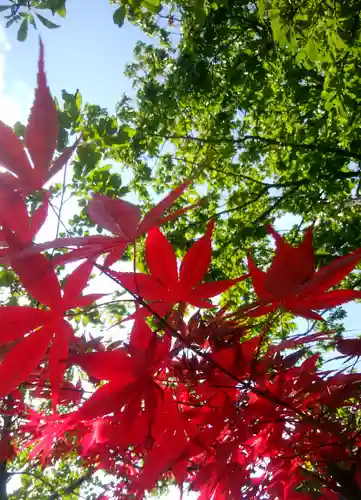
point(88, 52)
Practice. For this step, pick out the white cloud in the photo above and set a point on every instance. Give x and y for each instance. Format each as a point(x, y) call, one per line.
point(4, 44)
point(15, 96)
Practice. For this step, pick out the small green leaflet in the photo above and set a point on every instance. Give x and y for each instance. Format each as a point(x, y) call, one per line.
point(152, 5)
point(10, 22)
point(61, 11)
point(46, 22)
point(119, 16)
point(23, 30)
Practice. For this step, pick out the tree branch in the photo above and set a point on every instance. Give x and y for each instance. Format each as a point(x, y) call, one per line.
point(274, 205)
point(317, 147)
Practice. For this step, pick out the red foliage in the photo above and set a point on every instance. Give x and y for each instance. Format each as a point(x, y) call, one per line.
point(121, 218)
point(293, 284)
point(40, 140)
point(41, 326)
point(164, 284)
point(205, 398)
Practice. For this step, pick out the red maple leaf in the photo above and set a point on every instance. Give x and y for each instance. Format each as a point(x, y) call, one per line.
point(165, 284)
point(41, 326)
point(292, 283)
point(41, 138)
point(121, 218)
point(18, 228)
point(149, 416)
point(223, 475)
point(129, 371)
point(349, 347)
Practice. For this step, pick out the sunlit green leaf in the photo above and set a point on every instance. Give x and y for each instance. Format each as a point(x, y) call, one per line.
point(23, 30)
point(46, 22)
point(119, 16)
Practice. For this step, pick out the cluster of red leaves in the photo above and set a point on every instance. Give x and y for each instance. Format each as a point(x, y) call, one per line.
point(202, 398)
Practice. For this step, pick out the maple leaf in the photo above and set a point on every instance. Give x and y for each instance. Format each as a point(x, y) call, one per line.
point(223, 475)
point(41, 138)
point(349, 347)
point(293, 284)
point(298, 340)
point(69, 393)
point(148, 412)
point(129, 372)
point(165, 284)
point(42, 325)
point(121, 218)
point(18, 228)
